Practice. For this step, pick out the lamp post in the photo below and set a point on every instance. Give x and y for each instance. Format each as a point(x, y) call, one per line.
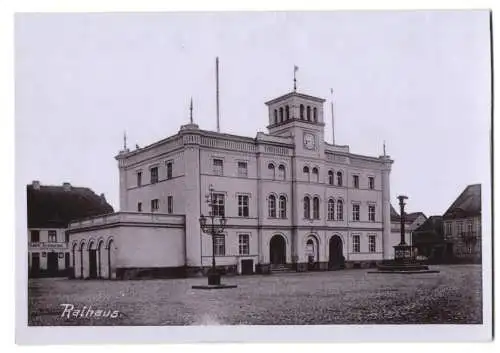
point(213, 224)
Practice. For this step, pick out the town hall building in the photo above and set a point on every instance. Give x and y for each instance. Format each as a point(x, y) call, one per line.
point(291, 201)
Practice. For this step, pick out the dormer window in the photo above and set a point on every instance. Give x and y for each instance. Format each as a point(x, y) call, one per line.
point(315, 115)
point(275, 116)
point(302, 111)
point(308, 113)
point(281, 114)
point(287, 112)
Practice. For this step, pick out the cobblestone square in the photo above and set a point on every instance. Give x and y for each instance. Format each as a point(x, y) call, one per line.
point(452, 296)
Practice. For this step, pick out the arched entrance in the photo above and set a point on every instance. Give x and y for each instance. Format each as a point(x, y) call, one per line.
point(73, 254)
point(336, 256)
point(82, 247)
point(100, 246)
point(92, 260)
point(277, 250)
point(111, 244)
point(312, 252)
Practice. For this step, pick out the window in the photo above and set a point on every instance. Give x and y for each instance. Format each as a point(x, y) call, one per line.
point(469, 227)
point(330, 177)
point(315, 174)
point(220, 245)
point(306, 173)
point(244, 244)
point(271, 206)
point(218, 167)
point(316, 208)
point(66, 237)
point(282, 206)
point(331, 210)
point(315, 115)
point(340, 210)
point(242, 169)
point(169, 170)
point(356, 244)
point(139, 207)
point(448, 228)
point(139, 178)
point(281, 114)
point(272, 172)
point(52, 236)
point(154, 175)
point(275, 116)
point(170, 204)
point(307, 207)
point(287, 112)
point(308, 113)
point(302, 111)
point(468, 247)
point(281, 172)
point(371, 213)
point(339, 178)
point(371, 183)
point(355, 212)
point(355, 181)
point(372, 243)
point(218, 208)
point(243, 206)
point(35, 236)
point(460, 228)
point(154, 205)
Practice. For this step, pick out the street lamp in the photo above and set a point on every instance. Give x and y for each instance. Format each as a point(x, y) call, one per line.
point(214, 224)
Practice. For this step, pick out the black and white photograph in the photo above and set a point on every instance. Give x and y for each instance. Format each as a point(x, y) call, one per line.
point(326, 169)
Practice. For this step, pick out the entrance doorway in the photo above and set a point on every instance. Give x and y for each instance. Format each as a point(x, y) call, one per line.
point(52, 263)
point(336, 257)
point(35, 263)
point(247, 267)
point(312, 252)
point(277, 249)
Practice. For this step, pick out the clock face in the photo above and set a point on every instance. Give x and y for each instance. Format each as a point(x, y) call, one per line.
point(309, 141)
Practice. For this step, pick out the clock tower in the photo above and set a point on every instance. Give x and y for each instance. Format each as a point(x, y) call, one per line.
point(299, 116)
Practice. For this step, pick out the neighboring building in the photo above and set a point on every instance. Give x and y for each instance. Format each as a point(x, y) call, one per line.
point(429, 241)
point(50, 209)
point(290, 199)
point(462, 225)
point(412, 221)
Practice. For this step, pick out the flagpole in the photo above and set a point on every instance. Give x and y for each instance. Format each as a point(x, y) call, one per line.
point(191, 111)
point(295, 68)
point(333, 119)
point(217, 91)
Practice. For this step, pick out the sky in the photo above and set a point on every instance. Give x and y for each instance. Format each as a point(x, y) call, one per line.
point(418, 80)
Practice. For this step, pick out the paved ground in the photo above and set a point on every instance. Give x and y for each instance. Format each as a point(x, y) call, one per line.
point(339, 297)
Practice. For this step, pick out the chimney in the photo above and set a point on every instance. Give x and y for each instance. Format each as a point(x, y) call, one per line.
point(36, 184)
point(66, 186)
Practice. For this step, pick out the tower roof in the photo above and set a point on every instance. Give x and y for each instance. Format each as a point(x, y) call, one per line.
point(295, 94)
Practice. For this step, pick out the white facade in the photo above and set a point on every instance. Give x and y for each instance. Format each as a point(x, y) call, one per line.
point(264, 186)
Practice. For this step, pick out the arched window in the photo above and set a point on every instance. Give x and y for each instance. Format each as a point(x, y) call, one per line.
point(281, 114)
point(281, 172)
point(330, 177)
point(282, 206)
point(287, 112)
point(331, 210)
point(339, 178)
point(271, 203)
point(315, 174)
point(340, 210)
point(272, 172)
point(308, 113)
point(306, 173)
point(316, 208)
point(307, 207)
point(275, 116)
point(315, 115)
point(302, 111)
